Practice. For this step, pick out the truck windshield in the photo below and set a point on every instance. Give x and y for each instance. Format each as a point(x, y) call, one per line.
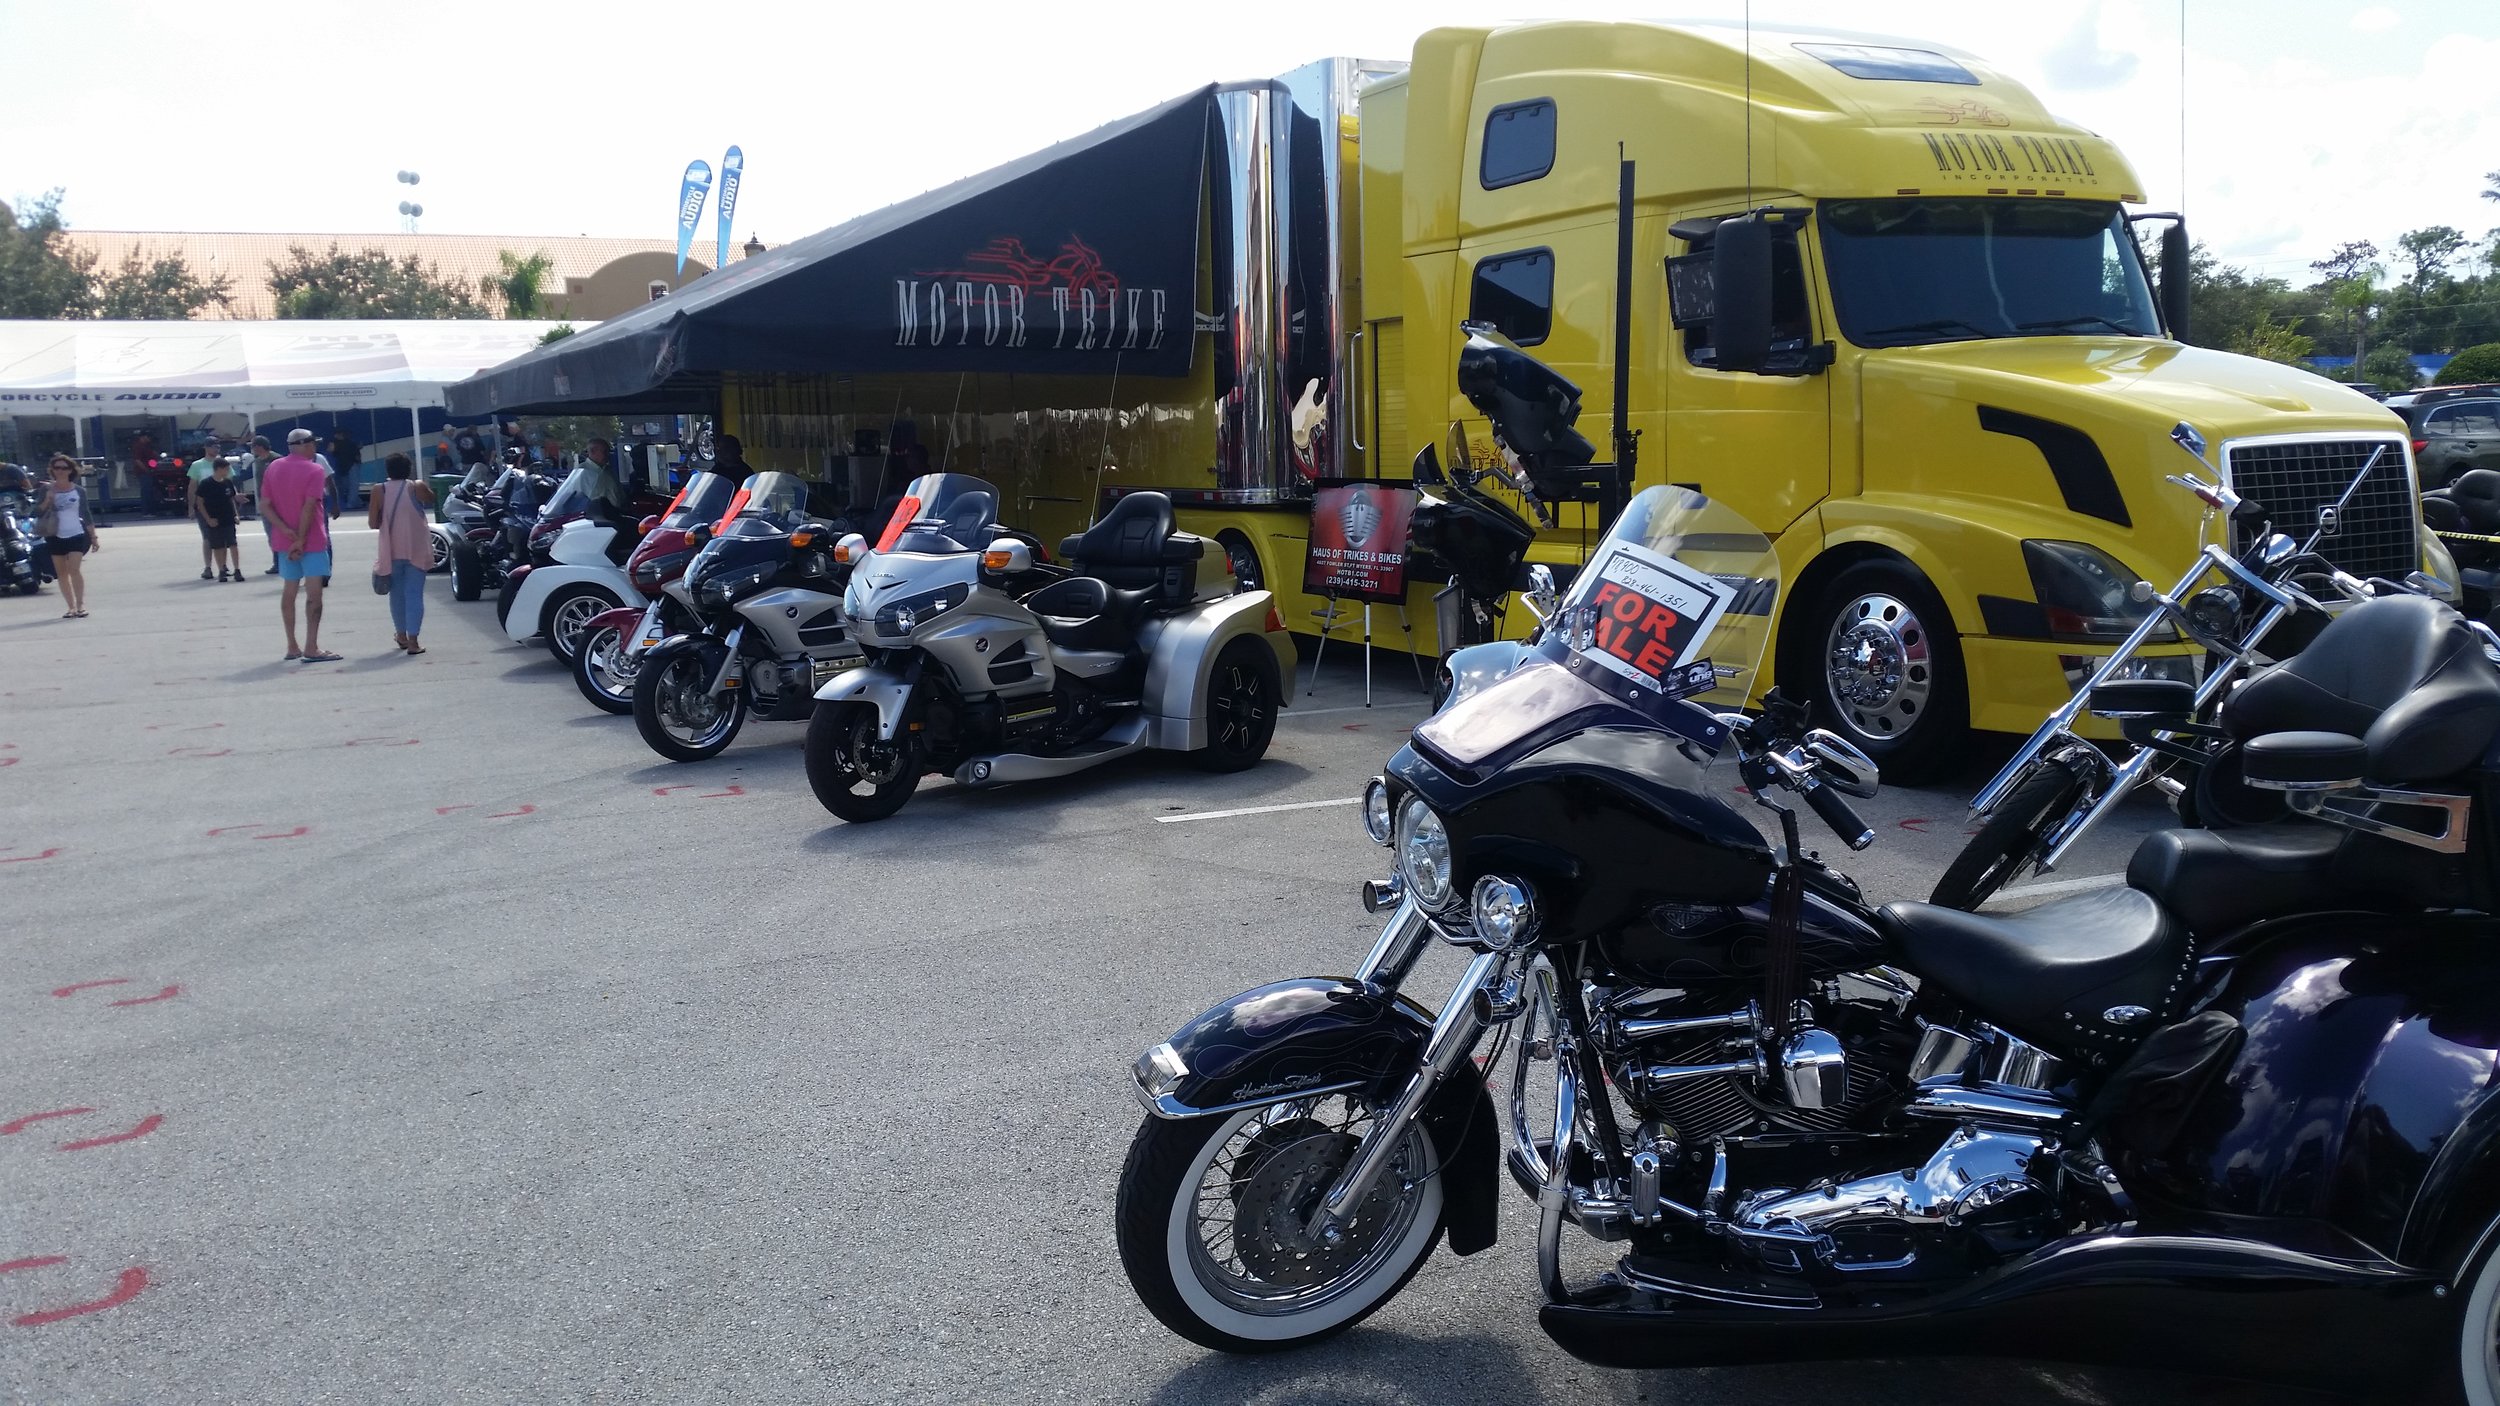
point(1906, 272)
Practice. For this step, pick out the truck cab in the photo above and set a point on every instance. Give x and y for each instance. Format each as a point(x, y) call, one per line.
point(1960, 431)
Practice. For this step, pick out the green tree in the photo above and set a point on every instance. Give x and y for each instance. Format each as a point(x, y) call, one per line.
point(368, 283)
point(2430, 251)
point(41, 274)
point(521, 286)
point(2492, 191)
point(2273, 341)
point(2351, 290)
point(557, 333)
point(2472, 366)
point(162, 288)
point(2388, 367)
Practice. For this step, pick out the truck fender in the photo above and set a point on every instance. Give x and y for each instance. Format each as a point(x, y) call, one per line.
point(1180, 662)
point(1315, 1035)
point(886, 690)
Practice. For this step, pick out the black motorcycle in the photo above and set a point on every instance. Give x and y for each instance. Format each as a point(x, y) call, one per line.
point(2235, 1116)
point(25, 558)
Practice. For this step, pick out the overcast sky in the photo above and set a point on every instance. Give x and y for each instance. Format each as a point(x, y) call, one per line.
point(2308, 122)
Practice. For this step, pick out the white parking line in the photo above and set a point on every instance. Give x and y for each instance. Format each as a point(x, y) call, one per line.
point(1253, 810)
point(2094, 881)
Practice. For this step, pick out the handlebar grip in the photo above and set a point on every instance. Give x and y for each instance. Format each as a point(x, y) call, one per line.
point(1836, 812)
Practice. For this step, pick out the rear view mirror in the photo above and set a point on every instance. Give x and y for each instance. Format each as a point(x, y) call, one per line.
point(1740, 277)
point(649, 526)
point(2174, 280)
point(1007, 556)
point(850, 549)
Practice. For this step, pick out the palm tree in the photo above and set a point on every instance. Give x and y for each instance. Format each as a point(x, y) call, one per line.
point(2492, 191)
point(521, 285)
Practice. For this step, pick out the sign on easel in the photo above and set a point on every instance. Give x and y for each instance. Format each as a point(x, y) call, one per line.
point(1358, 540)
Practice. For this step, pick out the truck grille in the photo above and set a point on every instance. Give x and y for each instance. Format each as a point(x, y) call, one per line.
point(2377, 534)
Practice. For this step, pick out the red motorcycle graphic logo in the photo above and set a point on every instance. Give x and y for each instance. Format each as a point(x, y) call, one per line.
point(1004, 262)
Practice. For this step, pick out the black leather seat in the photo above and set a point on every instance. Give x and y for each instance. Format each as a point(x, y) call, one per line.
point(1081, 612)
point(2219, 881)
point(1125, 548)
point(2402, 673)
point(2049, 974)
point(1125, 560)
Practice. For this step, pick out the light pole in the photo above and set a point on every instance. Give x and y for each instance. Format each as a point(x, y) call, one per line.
point(409, 210)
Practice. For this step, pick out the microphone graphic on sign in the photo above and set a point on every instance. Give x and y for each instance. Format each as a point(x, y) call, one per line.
point(1360, 518)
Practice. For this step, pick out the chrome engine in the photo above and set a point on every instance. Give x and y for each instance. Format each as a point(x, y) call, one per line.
point(1754, 1115)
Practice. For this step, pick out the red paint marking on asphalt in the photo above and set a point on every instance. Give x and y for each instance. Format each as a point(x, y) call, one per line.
point(1353, 727)
point(38, 1262)
point(380, 742)
point(31, 858)
point(10, 761)
point(446, 810)
point(19, 1125)
point(201, 753)
point(133, 1280)
point(91, 985)
point(508, 814)
point(167, 994)
point(146, 1126)
point(1917, 825)
point(715, 795)
point(664, 790)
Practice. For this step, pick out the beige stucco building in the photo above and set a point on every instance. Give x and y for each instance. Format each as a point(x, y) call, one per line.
point(593, 279)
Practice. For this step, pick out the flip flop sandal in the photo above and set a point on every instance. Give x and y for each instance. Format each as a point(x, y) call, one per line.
point(296, 658)
point(324, 657)
point(416, 649)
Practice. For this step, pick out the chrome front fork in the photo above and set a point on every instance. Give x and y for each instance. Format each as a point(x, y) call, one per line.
point(1463, 1020)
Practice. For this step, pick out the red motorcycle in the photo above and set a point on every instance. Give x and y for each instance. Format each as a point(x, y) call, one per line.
point(614, 641)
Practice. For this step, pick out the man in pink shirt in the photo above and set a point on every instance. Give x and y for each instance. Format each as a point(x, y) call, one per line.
point(299, 535)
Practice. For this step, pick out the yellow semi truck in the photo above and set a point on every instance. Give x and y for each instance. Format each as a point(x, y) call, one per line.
point(1956, 425)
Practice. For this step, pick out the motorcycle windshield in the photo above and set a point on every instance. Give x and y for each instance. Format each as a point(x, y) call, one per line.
point(943, 513)
point(584, 489)
point(1668, 621)
point(704, 498)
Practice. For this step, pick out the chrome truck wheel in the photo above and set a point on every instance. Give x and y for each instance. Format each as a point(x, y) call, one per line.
point(1887, 668)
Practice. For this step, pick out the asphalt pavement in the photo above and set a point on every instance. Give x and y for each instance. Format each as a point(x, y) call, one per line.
point(404, 1028)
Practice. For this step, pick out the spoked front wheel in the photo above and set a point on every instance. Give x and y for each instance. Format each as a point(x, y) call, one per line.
point(1213, 1220)
point(2012, 841)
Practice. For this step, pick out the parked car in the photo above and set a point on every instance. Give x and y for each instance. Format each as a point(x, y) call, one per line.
point(2455, 428)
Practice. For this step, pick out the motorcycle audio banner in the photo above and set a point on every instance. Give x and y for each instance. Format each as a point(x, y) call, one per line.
point(733, 165)
point(1358, 541)
point(691, 193)
point(1652, 614)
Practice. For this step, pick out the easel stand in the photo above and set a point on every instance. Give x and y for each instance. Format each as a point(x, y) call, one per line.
point(1333, 614)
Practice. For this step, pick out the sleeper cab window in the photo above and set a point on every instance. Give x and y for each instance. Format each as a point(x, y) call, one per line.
point(1792, 321)
point(1515, 292)
point(1518, 143)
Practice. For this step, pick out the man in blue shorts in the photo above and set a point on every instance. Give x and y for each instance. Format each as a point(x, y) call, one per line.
point(299, 533)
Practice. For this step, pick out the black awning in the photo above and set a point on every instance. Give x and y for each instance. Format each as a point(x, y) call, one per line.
point(1066, 262)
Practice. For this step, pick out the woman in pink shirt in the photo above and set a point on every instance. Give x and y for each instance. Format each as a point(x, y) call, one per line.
point(406, 545)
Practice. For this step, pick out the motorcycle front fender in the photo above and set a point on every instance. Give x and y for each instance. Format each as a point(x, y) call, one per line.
point(886, 690)
point(1320, 1035)
point(703, 647)
point(623, 620)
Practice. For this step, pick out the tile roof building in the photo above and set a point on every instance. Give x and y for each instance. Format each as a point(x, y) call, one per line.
point(593, 279)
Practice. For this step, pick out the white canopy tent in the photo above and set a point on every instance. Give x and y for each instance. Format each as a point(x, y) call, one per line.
point(83, 369)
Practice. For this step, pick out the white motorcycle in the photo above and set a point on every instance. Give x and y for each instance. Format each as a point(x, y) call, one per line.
point(994, 667)
point(585, 575)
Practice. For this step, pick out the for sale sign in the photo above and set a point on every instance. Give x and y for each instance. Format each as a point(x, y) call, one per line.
point(1649, 616)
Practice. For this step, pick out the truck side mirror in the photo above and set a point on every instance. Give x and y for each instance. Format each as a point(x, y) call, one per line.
point(2174, 280)
point(1740, 278)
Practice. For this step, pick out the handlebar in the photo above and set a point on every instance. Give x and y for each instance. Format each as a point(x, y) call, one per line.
point(1837, 813)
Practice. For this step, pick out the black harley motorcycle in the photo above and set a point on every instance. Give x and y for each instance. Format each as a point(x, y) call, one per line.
point(2235, 1116)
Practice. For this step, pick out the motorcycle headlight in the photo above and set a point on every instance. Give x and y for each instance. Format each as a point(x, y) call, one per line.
point(2086, 593)
point(898, 620)
point(1424, 856)
point(1505, 912)
point(1377, 821)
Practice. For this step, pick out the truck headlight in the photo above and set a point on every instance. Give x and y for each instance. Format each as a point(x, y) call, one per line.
point(2086, 593)
point(1377, 821)
point(1424, 856)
